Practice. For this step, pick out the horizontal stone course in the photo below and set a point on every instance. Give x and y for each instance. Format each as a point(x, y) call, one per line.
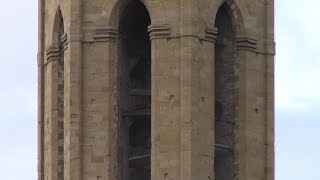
point(186, 59)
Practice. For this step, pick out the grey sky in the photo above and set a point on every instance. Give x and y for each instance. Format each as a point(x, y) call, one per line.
point(297, 90)
point(18, 22)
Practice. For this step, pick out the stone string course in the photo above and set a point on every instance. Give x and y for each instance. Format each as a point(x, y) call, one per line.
point(185, 56)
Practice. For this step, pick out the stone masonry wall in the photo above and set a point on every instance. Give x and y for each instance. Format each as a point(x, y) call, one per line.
point(185, 55)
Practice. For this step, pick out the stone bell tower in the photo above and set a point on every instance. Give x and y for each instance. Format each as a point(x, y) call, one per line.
point(156, 89)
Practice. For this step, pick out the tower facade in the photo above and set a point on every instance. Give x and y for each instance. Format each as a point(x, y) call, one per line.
point(156, 89)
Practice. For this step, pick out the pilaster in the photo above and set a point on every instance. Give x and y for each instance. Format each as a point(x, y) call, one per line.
point(51, 113)
point(196, 123)
point(73, 93)
point(251, 131)
point(165, 95)
point(100, 102)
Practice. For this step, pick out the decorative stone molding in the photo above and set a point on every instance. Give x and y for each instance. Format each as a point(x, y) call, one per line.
point(159, 31)
point(53, 54)
point(105, 34)
point(246, 43)
point(211, 34)
point(64, 41)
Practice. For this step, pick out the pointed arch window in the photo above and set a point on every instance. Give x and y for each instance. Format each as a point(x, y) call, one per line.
point(135, 93)
point(58, 90)
point(225, 95)
point(61, 103)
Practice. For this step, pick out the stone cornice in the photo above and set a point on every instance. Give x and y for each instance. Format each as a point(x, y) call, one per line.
point(246, 43)
point(53, 54)
point(159, 31)
point(105, 34)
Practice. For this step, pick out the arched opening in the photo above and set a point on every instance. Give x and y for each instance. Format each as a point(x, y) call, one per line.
point(134, 93)
point(57, 41)
point(61, 104)
point(225, 95)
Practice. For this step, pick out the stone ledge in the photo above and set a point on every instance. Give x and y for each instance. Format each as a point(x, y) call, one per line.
point(64, 41)
point(159, 31)
point(105, 34)
point(211, 34)
point(246, 43)
point(53, 54)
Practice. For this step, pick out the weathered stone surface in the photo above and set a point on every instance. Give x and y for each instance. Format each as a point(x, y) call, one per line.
point(205, 61)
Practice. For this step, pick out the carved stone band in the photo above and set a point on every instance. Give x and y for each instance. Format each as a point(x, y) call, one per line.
point(64, 41)
point(105, 34)
point(53, 54)
point(211, 34)
point(159, 31)
point(246, 43)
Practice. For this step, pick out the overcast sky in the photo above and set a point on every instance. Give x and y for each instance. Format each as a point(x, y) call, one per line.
point(297, 90)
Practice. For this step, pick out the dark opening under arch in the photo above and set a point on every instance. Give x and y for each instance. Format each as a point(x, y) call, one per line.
point(135, 95)
point(57, 36)
point(225, 95)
